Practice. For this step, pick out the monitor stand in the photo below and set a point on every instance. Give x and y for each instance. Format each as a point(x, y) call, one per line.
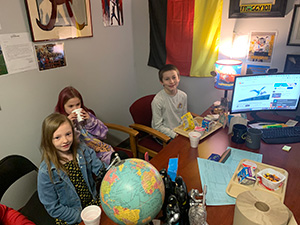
point(258, 119)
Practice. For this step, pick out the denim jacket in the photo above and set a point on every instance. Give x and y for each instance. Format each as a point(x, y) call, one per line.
point(59, 197)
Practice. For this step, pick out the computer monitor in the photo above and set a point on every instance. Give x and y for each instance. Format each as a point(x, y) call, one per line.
point(265, 92)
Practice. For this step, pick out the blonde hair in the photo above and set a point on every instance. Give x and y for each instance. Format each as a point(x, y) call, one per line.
point(49, 152)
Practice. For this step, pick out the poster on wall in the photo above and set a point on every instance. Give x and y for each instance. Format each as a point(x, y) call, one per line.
point(257, 8)
point(112, 11)
point(261, 46)
point(3, 69)
point(18, 52)
point(257, 69)
point(294, 34)
point(50, 56)
point(59, 19)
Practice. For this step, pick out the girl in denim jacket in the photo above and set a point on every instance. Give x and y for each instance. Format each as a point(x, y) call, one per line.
point(65, 178)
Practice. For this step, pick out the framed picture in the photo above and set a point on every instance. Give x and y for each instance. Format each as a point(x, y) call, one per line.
point(257, 8)
point(294, 33)
point(257, 69)
point(52, 20)
point(261, 45)
point(50, 56)
point(292, 64)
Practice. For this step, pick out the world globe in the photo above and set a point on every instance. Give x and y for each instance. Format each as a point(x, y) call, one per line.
point(132, 192)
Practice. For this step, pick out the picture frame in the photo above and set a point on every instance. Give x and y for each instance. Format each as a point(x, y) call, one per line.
point(294, 33)
point(52, 20)
point(50, 55)
point(256, 69)
point(261, 45)
point(257, 8)
point(292, 63)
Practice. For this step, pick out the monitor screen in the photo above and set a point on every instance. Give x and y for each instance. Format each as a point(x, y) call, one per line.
point(267, 92)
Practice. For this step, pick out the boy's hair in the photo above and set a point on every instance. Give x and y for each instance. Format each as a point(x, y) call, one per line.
point(166, 68)
point(49, 152)
point(65, 95)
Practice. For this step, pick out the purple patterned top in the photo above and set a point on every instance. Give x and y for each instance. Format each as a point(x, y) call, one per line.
point(94, 127)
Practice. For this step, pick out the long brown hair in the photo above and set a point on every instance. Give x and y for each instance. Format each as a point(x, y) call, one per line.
point(49, 152)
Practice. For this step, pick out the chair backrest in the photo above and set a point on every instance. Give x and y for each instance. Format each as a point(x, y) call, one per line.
point(12, 168)
point(141, 111)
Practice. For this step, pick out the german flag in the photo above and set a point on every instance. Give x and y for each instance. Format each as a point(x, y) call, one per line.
point(185, 33)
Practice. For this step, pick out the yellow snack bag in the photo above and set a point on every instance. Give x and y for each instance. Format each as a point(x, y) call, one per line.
point(188, 122)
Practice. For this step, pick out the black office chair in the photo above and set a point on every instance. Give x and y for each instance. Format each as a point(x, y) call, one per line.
point(12, 168)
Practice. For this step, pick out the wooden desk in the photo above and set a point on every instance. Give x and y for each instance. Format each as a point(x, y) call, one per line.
point(217, 143)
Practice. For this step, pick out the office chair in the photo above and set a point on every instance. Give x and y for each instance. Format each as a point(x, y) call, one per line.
point(141, 114)
point(12, 168)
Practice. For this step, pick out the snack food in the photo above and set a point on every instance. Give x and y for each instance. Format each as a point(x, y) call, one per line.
point(270, 178)
point(246, 176)
point(188, 122)
point(249, 163)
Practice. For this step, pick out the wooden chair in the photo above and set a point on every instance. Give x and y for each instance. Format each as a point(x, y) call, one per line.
point(132, 151)
point(141, 114)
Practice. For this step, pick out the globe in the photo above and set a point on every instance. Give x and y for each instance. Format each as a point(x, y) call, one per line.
point(132, 192)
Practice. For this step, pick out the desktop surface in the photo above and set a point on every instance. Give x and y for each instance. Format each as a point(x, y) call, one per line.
point(218, 143)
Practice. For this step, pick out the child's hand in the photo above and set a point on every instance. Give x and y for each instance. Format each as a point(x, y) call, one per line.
point(72, 116)
point(85, 115)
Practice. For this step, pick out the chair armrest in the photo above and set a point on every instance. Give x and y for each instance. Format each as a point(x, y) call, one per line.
point(132, 135)
point(150, 131)
point(194, 114)
point(118, 127)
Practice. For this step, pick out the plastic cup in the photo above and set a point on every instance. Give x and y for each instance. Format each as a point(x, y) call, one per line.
point(194, 138)
point(91, 215)
point(78, 113)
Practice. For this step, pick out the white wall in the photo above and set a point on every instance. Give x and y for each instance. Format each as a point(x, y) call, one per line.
point(101, 68)
point(243, 27)
point(110, 70)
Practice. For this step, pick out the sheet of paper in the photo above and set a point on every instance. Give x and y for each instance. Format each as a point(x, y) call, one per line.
point(237, 155)
point(291, 123)
point(216, 176)
point(259, 125)
point(18, 52)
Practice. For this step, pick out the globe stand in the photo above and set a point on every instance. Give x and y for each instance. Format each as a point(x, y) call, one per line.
point(116, 161)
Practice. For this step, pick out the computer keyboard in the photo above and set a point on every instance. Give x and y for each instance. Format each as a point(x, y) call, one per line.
point(281, 135)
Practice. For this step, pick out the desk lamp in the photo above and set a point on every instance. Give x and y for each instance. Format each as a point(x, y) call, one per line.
point(225, 72)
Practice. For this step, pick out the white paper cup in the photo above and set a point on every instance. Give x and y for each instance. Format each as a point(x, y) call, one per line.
point(91, 215)
point(194, 138)
point(78, 112)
